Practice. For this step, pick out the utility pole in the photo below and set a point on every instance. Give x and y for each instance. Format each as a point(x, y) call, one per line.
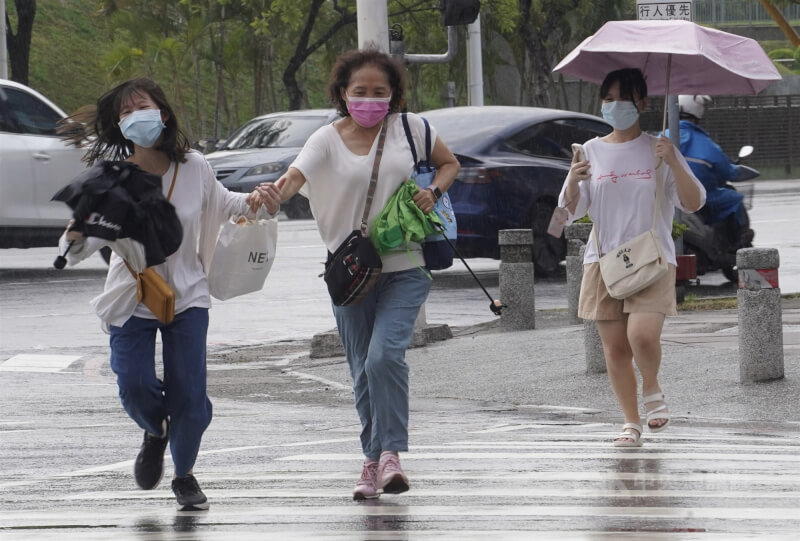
point(3, 48)
point(372, 17)
point(474, 63)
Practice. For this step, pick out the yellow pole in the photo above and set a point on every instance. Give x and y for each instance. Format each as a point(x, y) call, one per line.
point(784, 25)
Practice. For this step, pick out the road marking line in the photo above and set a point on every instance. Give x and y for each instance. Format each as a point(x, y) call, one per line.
point(252, 514)
point(518, 492)
point(577, 436)
point(27, 362)
point(599, 445)
point(669, 534)
point(328, 382)
point(488, 473)
point(167, 460)
point(621, 454)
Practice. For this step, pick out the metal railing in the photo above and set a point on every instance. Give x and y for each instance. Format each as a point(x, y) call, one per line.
point(769, 123)
point(738, 11)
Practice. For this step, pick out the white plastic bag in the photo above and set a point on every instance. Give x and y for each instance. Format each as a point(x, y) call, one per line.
point(243, 257)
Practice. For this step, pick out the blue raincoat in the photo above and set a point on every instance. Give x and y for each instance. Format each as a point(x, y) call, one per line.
point(711, 167)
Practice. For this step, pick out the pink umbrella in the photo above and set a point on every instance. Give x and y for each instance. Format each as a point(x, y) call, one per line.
point(675, 56)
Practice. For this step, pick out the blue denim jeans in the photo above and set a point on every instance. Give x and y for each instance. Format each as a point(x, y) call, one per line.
point(182, 395)
point(375, 334)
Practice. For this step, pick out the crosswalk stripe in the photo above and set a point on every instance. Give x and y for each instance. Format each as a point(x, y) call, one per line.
point(598, 445)
point(259, 513)
point(581, 482)
point(518, 492)
point(620, 454)
point(683, 534)
point(37, 363)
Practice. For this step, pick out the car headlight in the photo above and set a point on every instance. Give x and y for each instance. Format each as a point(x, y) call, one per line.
point(265, 169)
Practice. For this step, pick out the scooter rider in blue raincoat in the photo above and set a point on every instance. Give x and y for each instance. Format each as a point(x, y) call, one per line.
point(709, 164)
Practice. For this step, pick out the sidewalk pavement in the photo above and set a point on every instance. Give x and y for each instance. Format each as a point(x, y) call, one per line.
point(789, 185)
point(544, 371)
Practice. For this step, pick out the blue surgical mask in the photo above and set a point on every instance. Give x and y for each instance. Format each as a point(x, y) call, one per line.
point(143, 127)
point(620, 114)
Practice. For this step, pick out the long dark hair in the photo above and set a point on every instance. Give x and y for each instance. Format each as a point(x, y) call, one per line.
point(351, 61)
point(98, 125)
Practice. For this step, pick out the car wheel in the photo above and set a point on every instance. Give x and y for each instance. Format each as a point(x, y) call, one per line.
point(548, 251)
point(105, 252)
point(731, 274)
point(297, 208)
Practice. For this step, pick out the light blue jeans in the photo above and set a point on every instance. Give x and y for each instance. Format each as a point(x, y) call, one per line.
point(182, 395)
point(375, 334)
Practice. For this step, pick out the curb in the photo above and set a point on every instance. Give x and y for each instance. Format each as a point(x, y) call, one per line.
point(327, 344)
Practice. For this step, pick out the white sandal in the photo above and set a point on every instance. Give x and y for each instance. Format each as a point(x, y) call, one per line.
point(629, 438)
point(660, 413)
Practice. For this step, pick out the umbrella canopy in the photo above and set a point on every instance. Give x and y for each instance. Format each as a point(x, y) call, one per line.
point(116, 200)
point(703, 60)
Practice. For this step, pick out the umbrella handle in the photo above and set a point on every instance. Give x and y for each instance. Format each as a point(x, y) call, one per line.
point(61, 260)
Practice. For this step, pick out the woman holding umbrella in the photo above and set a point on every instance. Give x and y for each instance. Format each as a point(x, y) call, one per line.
point(614, 179)
point(134, 122)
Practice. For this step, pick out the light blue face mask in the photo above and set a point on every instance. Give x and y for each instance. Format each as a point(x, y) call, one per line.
point(142, 127)
point(620, 114)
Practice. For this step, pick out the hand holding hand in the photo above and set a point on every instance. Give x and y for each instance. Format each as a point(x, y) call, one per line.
point(270, 196)
point(425, 200)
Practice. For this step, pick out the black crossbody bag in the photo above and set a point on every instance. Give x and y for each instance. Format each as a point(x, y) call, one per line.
point(354, 268)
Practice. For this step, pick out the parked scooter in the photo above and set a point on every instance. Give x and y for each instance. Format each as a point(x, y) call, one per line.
point(715, 245)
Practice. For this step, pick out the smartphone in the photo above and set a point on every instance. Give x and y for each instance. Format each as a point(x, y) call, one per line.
point(578, 150)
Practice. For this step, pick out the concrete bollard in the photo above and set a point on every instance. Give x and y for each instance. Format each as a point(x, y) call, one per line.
point(516, 279)
point(760, 318)
point(577, 235)
point(592, 345)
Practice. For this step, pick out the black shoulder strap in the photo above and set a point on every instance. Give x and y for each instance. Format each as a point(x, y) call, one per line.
point(427, 142)
point(407, 129)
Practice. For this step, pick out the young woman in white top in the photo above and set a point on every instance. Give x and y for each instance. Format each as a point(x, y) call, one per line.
point(134, 122)
point(615, 182)
point(334, 169)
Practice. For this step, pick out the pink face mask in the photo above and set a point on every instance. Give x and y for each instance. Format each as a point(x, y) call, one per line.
point(367, 112)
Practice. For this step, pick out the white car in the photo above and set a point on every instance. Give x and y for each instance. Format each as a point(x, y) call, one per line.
point(34, 164)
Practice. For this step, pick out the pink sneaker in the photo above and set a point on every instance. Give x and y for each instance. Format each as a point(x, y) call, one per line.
point(391, 478)
point(367, 486)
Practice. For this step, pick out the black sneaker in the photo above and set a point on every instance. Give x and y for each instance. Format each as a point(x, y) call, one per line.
point(188, 494)
point(149, 466)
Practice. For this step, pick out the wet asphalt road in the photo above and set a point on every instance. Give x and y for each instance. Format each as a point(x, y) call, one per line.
point(281, 456)
point(277, 466)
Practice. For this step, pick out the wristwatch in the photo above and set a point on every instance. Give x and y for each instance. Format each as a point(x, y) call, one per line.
point(436, 191)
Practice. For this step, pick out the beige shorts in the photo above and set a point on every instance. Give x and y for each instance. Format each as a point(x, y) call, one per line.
point(595, 302)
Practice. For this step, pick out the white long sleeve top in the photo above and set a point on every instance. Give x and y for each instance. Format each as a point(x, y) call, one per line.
point(202, 204)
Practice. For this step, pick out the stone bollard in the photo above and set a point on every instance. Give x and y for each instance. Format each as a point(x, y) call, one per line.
point(592, 345)
point(577, 235)
point(760, 318)
point(516, 279)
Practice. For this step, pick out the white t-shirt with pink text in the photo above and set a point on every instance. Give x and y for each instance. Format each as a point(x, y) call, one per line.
point(620, 197)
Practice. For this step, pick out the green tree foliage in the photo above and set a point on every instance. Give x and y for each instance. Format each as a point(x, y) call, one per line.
point(224, 61)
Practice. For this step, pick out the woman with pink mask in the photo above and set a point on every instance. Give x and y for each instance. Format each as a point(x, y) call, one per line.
point(334, 169)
